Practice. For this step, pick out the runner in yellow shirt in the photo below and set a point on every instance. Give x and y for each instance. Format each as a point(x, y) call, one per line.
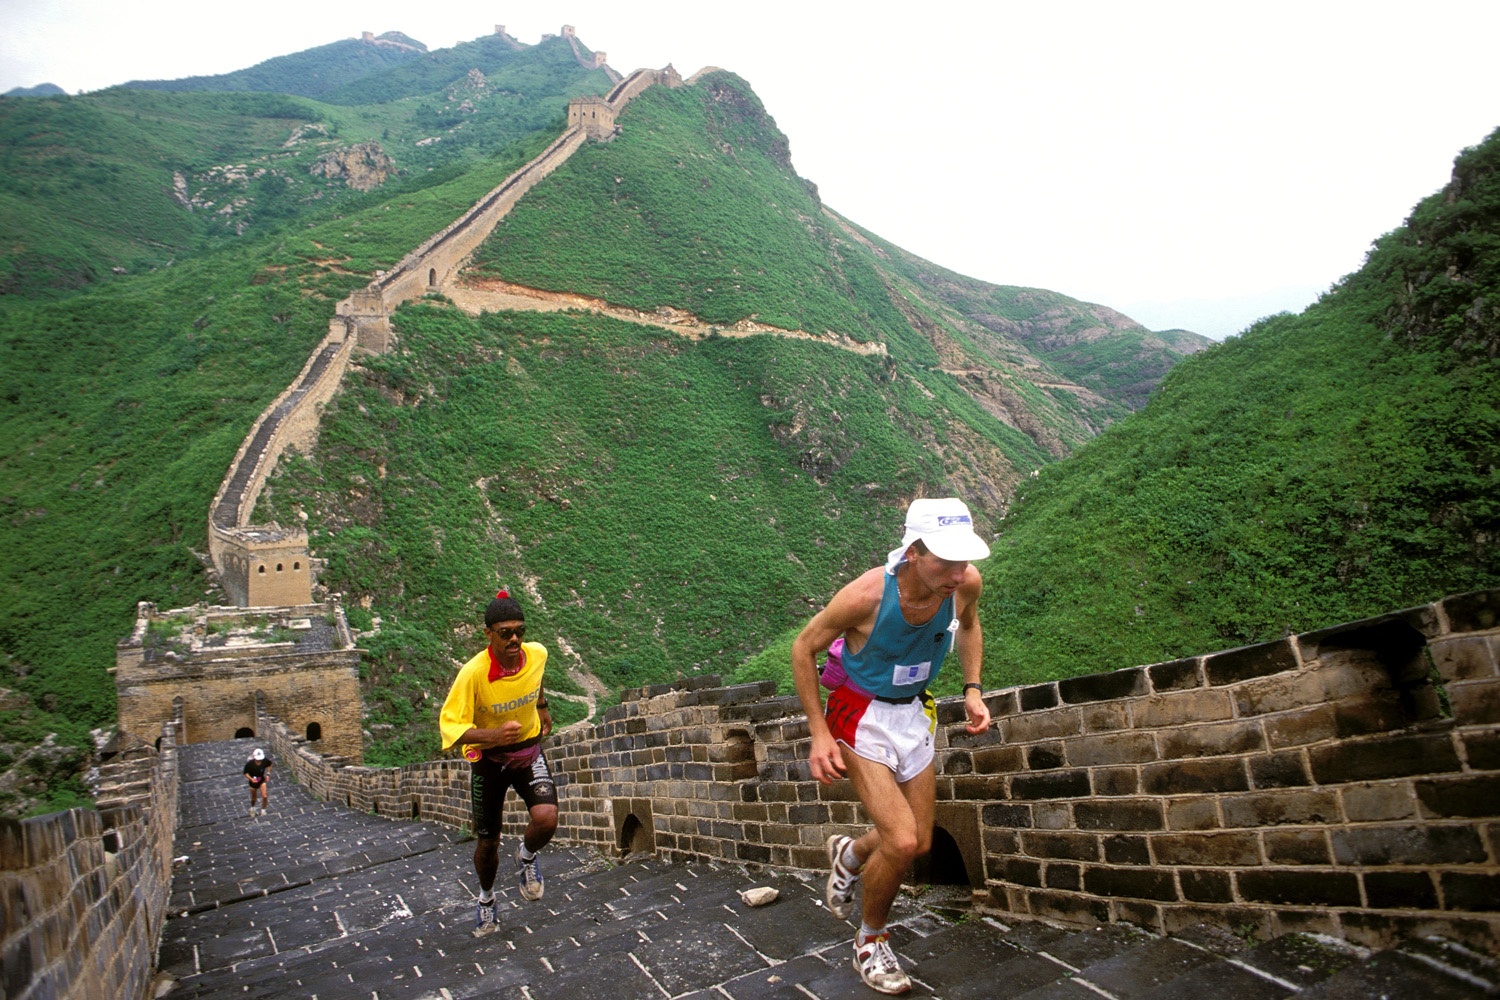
point(497, 710)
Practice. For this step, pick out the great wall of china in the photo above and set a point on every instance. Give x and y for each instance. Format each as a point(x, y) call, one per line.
point(1342, 782)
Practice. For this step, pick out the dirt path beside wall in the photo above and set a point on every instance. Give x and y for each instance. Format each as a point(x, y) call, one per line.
point(476, 295)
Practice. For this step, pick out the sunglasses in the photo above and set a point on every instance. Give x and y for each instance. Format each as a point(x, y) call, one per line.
point(505, 633)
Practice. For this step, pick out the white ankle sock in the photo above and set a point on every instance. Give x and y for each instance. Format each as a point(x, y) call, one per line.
point(486, 897)
point(849, 859)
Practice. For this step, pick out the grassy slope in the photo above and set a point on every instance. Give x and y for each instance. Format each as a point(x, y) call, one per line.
point(676, 503)
point(1315, 469)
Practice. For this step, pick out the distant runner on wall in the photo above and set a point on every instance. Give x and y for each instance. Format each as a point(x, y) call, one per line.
point(896, 623)
point(497, 710)
point(258, 770)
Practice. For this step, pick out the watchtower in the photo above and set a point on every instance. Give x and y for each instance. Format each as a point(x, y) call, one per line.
point(210, 663)
point(594, 114)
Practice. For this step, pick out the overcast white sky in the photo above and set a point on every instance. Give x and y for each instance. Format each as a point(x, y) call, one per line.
point(1191, 164)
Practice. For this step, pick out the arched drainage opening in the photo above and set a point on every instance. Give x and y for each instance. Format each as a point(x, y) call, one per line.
point(416, 807)
point(634, 837)
point(314, 731)
point(244, 733)
point(944, 876)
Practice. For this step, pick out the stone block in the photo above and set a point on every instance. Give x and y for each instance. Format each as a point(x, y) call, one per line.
point(1368, 715)
point(1206, 886)
point(1282, 807)
point(1044, 756)
point(1051, 816)
point(1211, 740)
point(1070, 846)
point(1211, 849)
point(1137, 883)
point(1387, 757)
point(1482, 749)
point(1175, 675)
point(1052, 785)
point(1298, 887)
point(1007, 815)
point(1120, 814)
point(1470, 795)
point(1408, 844)
point(1299, 728)
point(1475, 702)
point(1297, 847)
point(1464, 658)
point(1062, 876)
point(1287, 769)
point(1477, 611)
point(1018, 871)
point(1105, 717)
point(1246, 662)
point(1477, 892)
point(1066, 907)
point(1127, 849)
point(1182, 708)
point(1203, 775)
point(1047, 725)
point(1400, 890)
point(1038, 696)
point(1116, 781)
point(1200, 813)
point(1103, 687)
point(955, 762)
point(1113, 748)
point(1373, 802)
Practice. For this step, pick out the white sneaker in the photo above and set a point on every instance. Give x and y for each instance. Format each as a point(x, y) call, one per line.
point(839, 893)
point(878, 966)
point(530, 877)
point(486, 922)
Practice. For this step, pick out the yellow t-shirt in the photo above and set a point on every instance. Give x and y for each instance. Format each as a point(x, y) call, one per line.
point(476, 702)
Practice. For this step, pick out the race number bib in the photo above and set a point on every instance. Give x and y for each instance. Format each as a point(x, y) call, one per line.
point(911, 673)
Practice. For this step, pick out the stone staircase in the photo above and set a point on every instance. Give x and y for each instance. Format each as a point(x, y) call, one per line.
point(318, 900)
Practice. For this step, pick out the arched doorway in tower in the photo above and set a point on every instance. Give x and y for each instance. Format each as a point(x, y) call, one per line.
point(432, 277)
point(244, 733)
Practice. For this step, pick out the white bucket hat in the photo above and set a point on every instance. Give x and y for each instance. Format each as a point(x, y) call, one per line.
point(259, 754)
point(945, 527)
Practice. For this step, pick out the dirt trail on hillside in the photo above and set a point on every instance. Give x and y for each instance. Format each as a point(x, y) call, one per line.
point(478, 295)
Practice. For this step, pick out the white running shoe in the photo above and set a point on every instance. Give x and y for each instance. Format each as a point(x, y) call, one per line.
point(486, 922)
point(530, 876)
point(878, 966)
point(839, 893)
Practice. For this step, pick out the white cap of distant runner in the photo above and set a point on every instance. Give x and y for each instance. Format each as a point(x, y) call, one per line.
point(945, 527)
point(259, 754)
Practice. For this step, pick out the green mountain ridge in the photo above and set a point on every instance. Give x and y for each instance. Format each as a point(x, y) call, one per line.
point(669, 505)
point(311, 73)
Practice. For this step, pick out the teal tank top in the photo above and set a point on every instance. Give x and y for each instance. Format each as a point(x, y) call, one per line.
point(900, 660)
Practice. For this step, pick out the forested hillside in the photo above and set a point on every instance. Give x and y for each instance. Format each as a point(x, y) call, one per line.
point(1316, 469)
point(668, 505)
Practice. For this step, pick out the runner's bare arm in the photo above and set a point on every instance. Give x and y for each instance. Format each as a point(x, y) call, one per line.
point(852, 609)
point(969, 643)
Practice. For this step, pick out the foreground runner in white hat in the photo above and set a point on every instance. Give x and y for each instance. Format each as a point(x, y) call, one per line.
point(898, 622)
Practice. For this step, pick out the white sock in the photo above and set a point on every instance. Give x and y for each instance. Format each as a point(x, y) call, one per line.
point(486, 897)
point(866, 932)
point(527, 855)
point(849, 859)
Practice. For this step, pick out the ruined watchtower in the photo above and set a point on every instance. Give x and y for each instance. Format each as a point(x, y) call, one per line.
point(593, 114)
point(206, 665)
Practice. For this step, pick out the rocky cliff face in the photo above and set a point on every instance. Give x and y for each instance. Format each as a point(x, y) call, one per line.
point(363, 166)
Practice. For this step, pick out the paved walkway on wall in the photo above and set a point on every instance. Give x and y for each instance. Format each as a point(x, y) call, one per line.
point(317, 900)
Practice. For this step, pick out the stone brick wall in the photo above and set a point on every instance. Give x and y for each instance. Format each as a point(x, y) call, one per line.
point(84, 892)
point(1345, 781)
point(212, 690)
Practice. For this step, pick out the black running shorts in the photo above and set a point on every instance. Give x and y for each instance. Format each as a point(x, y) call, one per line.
point(489, 781)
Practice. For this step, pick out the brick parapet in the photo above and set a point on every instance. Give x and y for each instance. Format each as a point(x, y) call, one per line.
point(1314, 783)
point(84, 892)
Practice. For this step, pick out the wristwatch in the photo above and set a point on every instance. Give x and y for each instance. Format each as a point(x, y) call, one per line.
point(976, 687)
